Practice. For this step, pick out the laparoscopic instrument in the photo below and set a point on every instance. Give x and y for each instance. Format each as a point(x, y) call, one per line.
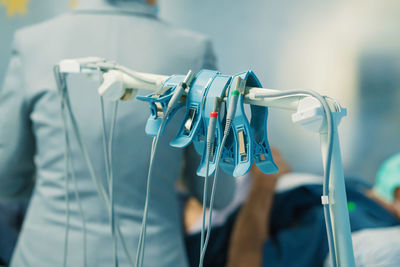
point(216, 123)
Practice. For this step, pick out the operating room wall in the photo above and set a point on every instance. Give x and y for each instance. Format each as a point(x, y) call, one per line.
point(349, 50)
point(345, 49)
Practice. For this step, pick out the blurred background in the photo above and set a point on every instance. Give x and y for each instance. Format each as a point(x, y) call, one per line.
point(349, 50)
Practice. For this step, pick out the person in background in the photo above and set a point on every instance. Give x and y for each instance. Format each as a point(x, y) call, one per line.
point(32, 143)
point(387, 185)
point(12, 215)
point(278, 220)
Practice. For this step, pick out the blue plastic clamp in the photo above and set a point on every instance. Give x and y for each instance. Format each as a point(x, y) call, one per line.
point(247, 142)
point(258, 123)
point(191, 129)
point(237, 156)
point(217, 89)
point(158, 104)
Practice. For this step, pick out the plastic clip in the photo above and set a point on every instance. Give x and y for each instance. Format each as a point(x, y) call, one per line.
point(258, 123)
point(191, 128)
point(158, 104)
point(237, 156)
point(217, 89)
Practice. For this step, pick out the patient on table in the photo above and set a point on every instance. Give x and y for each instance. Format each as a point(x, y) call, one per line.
point(278, 220)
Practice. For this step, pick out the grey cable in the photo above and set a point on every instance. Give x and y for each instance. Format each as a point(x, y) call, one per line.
point(105, 147)
point(109, 171)
point(210, 145)
point(84, 231)
point(99, 186)
point(205, 189)
point(210, 141)
point(230, 115)
point(142, 237)
point(134, 74)
point(106, 66)
point(69, 166)
point(171, 105)
point(111, 183)
point(326, 174)
point(66, 176)
point(327, 162)
point(204, 249)
point(61, 84)
point(141, 234)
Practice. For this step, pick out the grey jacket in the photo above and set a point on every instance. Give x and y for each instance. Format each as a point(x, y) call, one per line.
point(32, 140)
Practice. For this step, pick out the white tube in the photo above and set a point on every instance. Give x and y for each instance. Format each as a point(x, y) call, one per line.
point(338, 203)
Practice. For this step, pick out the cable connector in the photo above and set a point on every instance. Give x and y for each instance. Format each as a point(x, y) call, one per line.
point(211, 131)
point(179, 91)
point(76, 65)
point(230, 115)
point(212, 126)
point(325, 200)
point(214, 114)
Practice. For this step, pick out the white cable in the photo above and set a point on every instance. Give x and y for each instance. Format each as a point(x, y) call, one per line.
point(210, 139)
point(105, 147)
point(106, 66)
point(218, 158)
point(327, 162)
point(204, 248)
point(109, 171)
point(69, 166)
point(66, 177)
point(61, 84)
point(111, 183)
point(175, 98)
point(84, 231)
point(204, 202)
point(142, 236)
point(99, 186)
point(230, 114)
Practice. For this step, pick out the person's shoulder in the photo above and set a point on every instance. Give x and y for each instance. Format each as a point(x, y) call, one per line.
point(40, 31)
point(192, 35)
point(185, 33)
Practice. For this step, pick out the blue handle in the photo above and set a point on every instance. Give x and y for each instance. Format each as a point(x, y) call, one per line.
point(191, 129)
point(158, 104)
point(216, 89)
